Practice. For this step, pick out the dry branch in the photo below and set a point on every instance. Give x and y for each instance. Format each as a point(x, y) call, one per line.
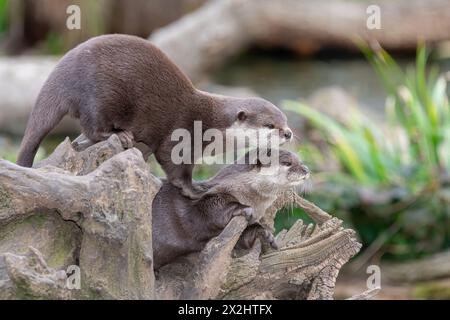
point(105, 194)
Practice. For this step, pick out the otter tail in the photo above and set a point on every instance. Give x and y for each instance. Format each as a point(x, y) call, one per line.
point(46, 114)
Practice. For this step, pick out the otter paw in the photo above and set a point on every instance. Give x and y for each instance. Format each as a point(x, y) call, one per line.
point(270, 239)
point(247, 212)
point(82, 143)
point(198, 189)
point(126, 138)
point(190, 193)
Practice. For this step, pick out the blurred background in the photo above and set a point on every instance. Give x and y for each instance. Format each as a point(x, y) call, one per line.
point(364, 84)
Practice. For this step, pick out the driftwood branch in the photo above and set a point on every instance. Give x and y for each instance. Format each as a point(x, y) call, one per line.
point(210, 35)
point(101, 197)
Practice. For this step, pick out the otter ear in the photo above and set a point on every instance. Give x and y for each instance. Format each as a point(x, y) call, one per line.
point(242, 116)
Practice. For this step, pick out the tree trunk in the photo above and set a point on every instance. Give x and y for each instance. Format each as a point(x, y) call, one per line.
point(207, 37)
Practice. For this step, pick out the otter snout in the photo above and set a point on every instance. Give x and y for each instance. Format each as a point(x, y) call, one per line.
point(286, 134)
point(298, 173)
point(304, 170)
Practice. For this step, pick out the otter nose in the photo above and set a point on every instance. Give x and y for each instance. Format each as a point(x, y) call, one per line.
point(288, 134)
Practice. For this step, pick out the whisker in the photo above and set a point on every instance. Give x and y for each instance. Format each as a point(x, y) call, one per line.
point(291, 203)
point(305, 187)
point(291, 207)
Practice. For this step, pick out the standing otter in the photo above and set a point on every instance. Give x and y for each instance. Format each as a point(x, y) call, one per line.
point(181, 226)
point(125, 85)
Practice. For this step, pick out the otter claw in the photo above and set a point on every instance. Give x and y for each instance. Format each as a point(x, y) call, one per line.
point(126, 138)
point(82, 142)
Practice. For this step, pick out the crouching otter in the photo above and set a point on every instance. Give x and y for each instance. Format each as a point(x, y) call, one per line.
point(182, 225)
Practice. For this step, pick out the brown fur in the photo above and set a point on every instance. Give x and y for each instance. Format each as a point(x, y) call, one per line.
point(181, 225)
point(125, 85)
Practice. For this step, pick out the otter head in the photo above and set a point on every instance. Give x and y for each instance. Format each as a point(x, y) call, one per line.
point(261, 120)
point(291, 170)
point(281, 168)
point(252, 178)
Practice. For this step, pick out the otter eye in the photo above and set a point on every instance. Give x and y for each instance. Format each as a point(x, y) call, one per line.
point(287, 163)
point(269, 125)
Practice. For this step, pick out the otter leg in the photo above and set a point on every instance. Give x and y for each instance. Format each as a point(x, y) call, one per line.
point(180, 176)
point(256, 231)
point(145, 149)
point(247, 212)
point(268, 237)
point(224, 213)
point(188, 187)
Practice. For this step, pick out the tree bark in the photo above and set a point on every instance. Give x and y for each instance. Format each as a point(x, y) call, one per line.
point(110, 205)
point(104, 194)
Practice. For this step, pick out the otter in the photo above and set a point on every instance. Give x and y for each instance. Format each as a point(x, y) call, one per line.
point(182, 225)
point(124, 85)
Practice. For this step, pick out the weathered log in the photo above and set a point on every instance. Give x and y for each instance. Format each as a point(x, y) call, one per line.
point(429, 268)
point(207, 37)
point(31, 22)
point(110, 206)
point(21, 79)
point(105, 194)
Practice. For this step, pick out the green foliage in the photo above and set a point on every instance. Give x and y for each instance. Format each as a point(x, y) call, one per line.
point(53, 44)
point(432, 290)
point(4, 21)
point(286, 217)
point(404, 166)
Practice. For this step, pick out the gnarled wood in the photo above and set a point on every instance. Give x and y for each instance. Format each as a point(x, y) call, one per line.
point(105, 194)
point(109, 204)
